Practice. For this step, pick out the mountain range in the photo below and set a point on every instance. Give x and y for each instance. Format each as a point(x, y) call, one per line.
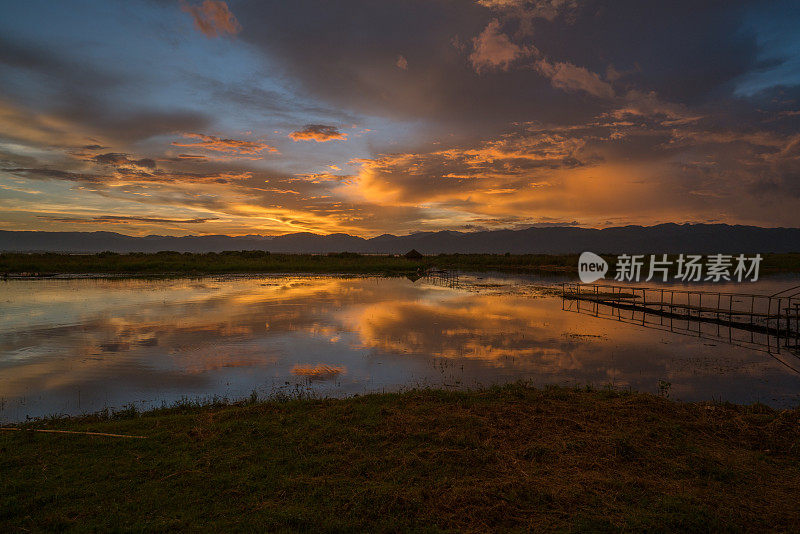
point(662, 238)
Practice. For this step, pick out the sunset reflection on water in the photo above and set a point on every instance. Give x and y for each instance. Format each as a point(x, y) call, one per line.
point(74, 346)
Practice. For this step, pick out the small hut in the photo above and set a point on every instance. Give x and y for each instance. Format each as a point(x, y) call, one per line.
point(413, 254)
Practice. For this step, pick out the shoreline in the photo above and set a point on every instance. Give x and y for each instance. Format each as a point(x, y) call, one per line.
point(175, 264)
point(244, 275)
point(199, 404)
point(506, 457)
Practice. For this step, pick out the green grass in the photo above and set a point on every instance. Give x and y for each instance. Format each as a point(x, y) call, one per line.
point(175, 263)
point(506, 458)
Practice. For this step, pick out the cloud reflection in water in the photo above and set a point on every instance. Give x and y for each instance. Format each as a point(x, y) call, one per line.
point(70, 346)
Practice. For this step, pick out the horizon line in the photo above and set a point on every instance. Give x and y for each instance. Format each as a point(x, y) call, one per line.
point(367, 238)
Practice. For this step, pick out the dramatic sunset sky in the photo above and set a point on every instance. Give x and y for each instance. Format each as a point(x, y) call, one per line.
point(369, 116)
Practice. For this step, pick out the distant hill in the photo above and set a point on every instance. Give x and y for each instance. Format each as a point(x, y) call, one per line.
point(662, 238)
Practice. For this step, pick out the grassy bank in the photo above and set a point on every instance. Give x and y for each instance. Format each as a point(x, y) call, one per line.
point(505, 458)
point(260, 262)
point(264, 262)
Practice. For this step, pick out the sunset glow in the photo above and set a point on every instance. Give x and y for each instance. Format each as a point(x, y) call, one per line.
point(243, 117)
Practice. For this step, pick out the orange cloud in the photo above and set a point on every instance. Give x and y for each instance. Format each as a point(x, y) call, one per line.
point(319, 133)
point(121, 219)
point(213, 18)
point(492, 49)
point(573, 78)
point(648, 104)
point(230, 146)
point(128, 175)
point(513, 163)
point(626, 172)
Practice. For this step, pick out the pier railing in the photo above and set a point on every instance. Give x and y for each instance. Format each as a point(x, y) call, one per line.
point(777, 316)
point(745, 310)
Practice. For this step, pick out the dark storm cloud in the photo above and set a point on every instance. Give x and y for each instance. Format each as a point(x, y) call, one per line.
point(53, 174)
point(135, 125)
point(68, 73)
point(117, 160)
point(74, 91)
point(685, 50)
point(345, 52)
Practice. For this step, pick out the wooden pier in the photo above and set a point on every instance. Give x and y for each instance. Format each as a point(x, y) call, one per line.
point(768, 322)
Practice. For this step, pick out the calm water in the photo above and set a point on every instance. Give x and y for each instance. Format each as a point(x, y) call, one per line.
point(75, 346)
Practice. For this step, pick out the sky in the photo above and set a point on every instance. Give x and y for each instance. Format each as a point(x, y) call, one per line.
point(369, 117)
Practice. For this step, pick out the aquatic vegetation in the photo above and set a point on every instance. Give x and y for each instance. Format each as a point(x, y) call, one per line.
point(259, 261)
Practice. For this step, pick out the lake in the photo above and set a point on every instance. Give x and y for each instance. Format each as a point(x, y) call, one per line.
point(73, 346)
